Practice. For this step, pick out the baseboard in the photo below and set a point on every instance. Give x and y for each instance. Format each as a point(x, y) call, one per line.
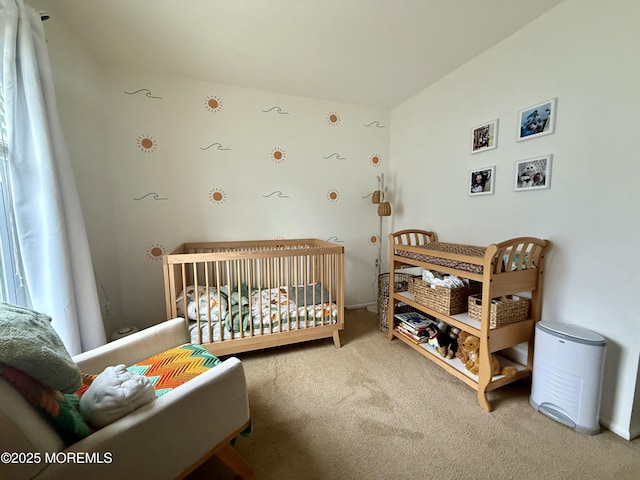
point(619, 430)
point(358, 305)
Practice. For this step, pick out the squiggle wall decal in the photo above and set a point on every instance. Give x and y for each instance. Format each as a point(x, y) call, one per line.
point(334, 239)
point(147, 93)
point(219, 145)
point(277, 109)
point(336, 155)
point(155, 196)
point(278, 192)
point(376, 123)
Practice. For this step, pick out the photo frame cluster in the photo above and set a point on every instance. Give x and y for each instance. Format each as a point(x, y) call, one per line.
point(529, 174)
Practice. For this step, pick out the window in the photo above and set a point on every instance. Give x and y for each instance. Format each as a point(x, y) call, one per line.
point(12, 285)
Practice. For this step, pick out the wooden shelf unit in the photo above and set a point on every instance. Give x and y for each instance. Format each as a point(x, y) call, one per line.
point(511, 267)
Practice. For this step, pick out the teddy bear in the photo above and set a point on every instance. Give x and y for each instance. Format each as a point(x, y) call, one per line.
point(472, 346)
point(460, 352)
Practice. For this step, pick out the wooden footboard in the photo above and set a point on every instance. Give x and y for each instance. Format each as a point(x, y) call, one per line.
point(240, 296)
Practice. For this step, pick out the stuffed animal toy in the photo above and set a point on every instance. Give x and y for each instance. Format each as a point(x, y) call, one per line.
point(453, 334)
point(442, 341)
point(460, 352)
point(472, 346)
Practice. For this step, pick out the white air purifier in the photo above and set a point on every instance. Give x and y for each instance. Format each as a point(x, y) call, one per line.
point(568, 366)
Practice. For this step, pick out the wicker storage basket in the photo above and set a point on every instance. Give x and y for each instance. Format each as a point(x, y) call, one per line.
point(504, 310)
point(448, 301)
point(400, 282)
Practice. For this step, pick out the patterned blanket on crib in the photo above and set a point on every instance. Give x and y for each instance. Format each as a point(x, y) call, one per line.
point(267, 307)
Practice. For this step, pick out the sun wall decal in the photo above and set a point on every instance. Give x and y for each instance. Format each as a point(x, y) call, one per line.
point(213, 103)
point(278, 155)
point(373, 239)
point(376, 160)
point(155, 251)
point(146, 143)
point(333, 195)
point(333, 118)
point(217, 196)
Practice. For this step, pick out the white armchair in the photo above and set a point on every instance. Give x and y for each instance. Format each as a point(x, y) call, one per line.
point(167, 438)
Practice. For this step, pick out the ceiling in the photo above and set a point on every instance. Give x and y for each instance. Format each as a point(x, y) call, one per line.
point(369, 52)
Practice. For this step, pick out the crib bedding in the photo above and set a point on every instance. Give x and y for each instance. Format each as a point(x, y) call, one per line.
point(317, 315)
point(260, 312)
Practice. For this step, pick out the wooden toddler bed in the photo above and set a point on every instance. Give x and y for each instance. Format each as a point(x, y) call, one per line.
point(514, 266)
point(248, 295)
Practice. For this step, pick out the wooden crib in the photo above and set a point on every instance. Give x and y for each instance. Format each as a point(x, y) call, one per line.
point(249, 295)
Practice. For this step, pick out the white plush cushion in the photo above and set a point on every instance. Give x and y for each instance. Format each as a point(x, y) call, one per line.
point(113, 394)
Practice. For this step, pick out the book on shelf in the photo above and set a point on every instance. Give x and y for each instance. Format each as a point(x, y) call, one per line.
point(414, 338)
point(414, 322)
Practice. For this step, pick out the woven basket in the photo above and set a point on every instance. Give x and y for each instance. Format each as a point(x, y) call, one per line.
point(401, 282)
point(504, 310)
point(384, 209)
point(448, 301)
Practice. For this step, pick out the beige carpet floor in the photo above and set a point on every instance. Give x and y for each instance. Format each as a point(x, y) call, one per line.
point(376, 409)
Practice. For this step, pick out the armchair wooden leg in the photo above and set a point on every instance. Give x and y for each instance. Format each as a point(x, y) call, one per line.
point(228, 455)
point(232, 459)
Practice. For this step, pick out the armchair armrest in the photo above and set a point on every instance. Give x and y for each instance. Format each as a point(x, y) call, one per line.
point(167, 436)
point(135, 347)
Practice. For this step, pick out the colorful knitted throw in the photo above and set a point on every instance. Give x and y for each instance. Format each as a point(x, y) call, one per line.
point(171, 368)
point(60, 410)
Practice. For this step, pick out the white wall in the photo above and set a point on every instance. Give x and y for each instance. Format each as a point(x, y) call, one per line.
point(264, 197)
point(584, 53)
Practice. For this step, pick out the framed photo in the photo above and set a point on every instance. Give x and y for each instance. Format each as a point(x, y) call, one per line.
point(481, 181)
point(533, 173)
point(484, 137)
point(537, 120)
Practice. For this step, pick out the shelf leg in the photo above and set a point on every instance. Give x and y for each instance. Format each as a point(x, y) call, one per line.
point(484, 375)
point(483, 400)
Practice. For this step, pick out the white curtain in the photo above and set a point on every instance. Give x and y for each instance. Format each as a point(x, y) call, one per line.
point(49, 224)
